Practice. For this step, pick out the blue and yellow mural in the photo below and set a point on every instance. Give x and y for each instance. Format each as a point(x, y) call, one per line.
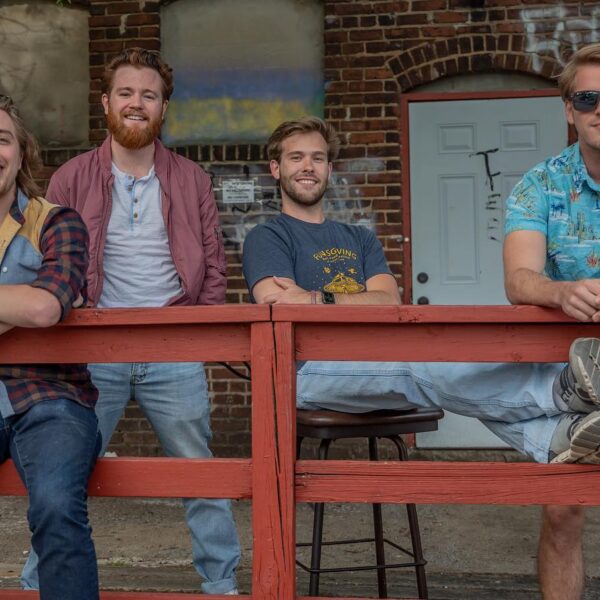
point(238, 73)
point(239, 105)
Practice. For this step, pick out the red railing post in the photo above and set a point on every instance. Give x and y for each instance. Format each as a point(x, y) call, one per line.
point(273, 568)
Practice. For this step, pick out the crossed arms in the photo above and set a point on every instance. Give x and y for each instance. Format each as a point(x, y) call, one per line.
point(381, 289)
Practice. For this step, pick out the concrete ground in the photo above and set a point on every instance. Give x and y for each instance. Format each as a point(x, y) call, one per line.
point(474, 552)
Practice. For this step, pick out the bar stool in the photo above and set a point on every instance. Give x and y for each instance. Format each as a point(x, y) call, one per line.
point(328, 426)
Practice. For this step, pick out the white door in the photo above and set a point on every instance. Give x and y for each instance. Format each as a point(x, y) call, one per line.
point(465, 157)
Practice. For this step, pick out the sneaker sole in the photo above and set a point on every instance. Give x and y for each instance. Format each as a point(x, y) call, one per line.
point(584, 358)
point(585, 443)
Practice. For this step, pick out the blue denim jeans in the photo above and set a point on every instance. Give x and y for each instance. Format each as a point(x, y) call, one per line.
point(514, 400)
point(174, 398)
point(54, 447)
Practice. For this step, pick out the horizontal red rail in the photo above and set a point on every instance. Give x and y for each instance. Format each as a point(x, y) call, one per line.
point(23, 595)
point(417, 314)
point(451, 342)
point(157, 478)
point(436, 333)
point(170, 315)
point(447, 482)
point(139, 335)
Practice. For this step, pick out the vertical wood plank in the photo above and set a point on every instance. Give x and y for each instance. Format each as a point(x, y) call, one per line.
point(273, 574)
point(285, 414)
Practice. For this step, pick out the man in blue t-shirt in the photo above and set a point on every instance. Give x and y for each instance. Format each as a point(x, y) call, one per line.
point(300, 257)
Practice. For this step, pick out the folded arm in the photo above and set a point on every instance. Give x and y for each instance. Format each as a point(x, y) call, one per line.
point(27, 306)
point(381, 289)
point(526, 283)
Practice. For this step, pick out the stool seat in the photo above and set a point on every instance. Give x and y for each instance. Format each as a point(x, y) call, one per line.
point(333, 425)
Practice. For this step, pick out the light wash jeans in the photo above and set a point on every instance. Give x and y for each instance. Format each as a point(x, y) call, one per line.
point(54, 446)
point(174, 398)
point(514, 400)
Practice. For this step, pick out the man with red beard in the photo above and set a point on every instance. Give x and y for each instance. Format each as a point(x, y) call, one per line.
point(155, 240)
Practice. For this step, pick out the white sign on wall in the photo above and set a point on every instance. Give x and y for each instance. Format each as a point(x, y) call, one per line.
point(238, 191)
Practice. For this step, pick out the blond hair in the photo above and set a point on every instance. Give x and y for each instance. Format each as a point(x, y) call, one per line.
point(588, 55)
point(303, 125)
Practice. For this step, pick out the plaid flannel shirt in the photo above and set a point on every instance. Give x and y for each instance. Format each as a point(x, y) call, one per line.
point(53, 239)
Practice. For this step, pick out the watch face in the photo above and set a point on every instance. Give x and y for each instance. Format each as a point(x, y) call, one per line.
point(328, 298)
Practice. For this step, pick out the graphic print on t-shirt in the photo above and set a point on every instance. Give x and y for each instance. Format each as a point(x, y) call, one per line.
point(338, 273)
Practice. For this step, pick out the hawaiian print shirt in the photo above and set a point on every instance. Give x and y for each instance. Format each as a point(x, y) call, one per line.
point(558, 198)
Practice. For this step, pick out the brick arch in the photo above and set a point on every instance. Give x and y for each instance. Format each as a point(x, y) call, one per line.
point(471, 54)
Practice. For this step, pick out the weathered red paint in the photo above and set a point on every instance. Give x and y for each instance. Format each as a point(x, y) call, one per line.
point(447, 482)
point(273, 338)
point(157, 478)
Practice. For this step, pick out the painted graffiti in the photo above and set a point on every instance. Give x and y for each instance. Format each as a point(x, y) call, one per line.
point(564, 30)
point(344, 202)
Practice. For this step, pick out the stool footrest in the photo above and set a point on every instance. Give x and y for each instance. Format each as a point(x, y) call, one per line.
point(416, 563)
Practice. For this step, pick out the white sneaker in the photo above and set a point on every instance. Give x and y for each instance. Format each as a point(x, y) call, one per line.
point(584, 436)
point(232, 592)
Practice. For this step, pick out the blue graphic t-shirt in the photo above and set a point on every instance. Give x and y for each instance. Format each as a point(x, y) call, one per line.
point(558, 198)
point(329, 256)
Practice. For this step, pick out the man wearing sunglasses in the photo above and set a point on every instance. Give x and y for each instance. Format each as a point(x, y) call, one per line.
point(552, 258)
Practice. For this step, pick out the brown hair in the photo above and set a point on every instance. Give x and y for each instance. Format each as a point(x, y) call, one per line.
point(303, 125)
point(29, 149)
point(588, 55)
point(139, 57)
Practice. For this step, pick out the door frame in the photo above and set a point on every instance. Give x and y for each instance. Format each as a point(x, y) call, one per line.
point(405, 101)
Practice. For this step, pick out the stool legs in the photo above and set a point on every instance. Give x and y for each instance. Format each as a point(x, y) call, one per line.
point(413, 525)
point(317, 537)
point(378, 532)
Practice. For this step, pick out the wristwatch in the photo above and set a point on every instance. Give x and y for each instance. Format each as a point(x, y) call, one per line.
point(328, 297)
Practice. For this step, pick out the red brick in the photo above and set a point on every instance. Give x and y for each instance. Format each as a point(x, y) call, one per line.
point(122, 7)
point(367, 138)
point(428, 5)
point(104, 21)
point(352, 74)
point(450, 17)
point(106, 46)
point(366, 34)
point(150, 31)
point(353, 8)
point(366, 86)
point(435, 32)
point(402, 32)
point(143, 19)
point(336, 36)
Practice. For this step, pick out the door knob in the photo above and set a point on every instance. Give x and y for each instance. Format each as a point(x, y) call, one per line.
point(423, 300)
point(422, 278)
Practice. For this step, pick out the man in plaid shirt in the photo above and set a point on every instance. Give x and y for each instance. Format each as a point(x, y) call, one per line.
point(47, 422)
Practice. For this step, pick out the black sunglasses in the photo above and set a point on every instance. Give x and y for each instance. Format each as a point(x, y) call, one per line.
point(585, 101)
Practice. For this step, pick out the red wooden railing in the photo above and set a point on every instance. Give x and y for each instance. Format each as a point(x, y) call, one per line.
point(272, 339)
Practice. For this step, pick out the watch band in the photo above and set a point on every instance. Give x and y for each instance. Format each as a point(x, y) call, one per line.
point(328, 297)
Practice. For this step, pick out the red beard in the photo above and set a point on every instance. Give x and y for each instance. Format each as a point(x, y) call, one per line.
point(132, 138)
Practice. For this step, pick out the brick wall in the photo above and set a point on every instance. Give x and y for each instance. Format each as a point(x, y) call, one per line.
point(374, 51)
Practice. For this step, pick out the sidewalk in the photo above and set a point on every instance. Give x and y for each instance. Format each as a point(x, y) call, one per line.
point(474, 552)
